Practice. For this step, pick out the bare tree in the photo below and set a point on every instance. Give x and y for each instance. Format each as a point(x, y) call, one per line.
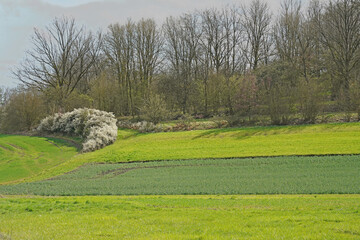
point(221, 53)
point(287, 31)
point(256, 22)
point(234, 35)
point(212, 44)
point(61, 58)
point(120, 51)
point(214, 37)
point(339, 26)
point(233, 54)
point(182, 51)
point(133, 51)
point(148, 44)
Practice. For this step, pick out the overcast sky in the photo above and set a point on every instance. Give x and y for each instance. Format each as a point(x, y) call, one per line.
point(18, 18)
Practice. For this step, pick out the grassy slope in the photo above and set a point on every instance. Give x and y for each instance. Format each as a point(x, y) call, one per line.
point(233, 142)
point(182, 217)
point(224, 143)
point(22, 156)
point(280, 175)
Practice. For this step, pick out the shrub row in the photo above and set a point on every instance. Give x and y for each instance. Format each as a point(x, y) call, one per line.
point(145, 126)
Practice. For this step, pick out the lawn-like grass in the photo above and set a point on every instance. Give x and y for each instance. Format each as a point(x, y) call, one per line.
point(23, 156)
point(277, 175)
point(132, 146)
point(232, 142)
point(181, 217)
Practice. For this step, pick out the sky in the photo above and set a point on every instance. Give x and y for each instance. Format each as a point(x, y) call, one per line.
point(18, 18)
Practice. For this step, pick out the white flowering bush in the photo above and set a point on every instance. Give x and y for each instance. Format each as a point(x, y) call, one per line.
point(97, 128)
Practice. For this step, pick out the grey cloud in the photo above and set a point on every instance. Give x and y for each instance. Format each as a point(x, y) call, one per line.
point(100, 13)
point(14, 6)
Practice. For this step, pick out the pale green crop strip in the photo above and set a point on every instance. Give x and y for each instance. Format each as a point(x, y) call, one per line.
point(278, 175)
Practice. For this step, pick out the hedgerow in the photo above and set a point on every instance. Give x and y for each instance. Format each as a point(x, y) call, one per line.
point(148, 127)
point(97, 128)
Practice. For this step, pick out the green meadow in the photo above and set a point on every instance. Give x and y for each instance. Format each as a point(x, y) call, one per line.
point(181, 217)
point(22, 156)
point(232, 142)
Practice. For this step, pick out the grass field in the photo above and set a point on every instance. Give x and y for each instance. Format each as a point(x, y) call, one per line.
point(132, 146)
point(186, 216)
point(181, 217)
point(277, 175)
point(23, 156)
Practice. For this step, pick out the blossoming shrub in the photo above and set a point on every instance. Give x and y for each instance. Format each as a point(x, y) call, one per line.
point(97, 128)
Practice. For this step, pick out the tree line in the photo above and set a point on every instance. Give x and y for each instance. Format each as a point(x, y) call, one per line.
point(240, 61)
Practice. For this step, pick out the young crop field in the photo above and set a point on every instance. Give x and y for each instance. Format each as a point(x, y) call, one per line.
point(181, 217)
point(23, 156)
point(277, 175)
point(132, 146)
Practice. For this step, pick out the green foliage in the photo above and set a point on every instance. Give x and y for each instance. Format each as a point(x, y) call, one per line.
point(154, 109)
point(281, 175)
point(22, 157)
point(182, 217)
point(23, 111)
point(106, 95)
point(57, 102)
point(355, 95)
point(76, 100)
point(310, 100)
point(247, 99)
point(279, 81)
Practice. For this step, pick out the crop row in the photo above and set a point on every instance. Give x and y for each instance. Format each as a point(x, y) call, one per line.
point(272, 175)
